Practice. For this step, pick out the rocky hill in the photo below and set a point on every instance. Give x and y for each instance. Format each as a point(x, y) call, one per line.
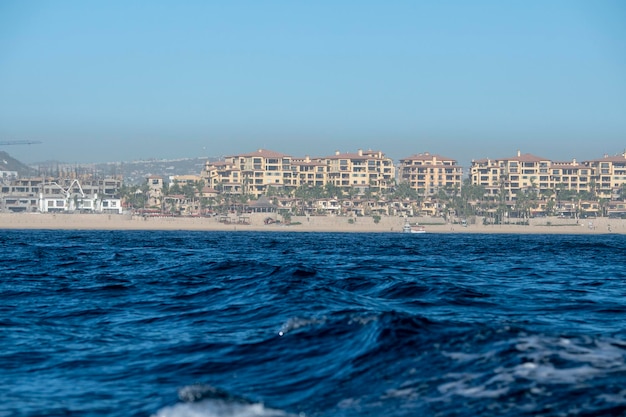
point(8, 163)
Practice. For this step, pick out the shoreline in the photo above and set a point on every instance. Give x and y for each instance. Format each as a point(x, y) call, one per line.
point(255, 222)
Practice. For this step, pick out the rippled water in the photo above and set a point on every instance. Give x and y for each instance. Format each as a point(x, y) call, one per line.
point(123, 323)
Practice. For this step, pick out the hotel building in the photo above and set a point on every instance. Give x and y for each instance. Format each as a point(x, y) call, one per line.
point(508, 175)
point(609, 175)
point(254, 173)
point(249, 173)
point(428, 173)
point(361, 170)
point(313, 173)
point(604, 176)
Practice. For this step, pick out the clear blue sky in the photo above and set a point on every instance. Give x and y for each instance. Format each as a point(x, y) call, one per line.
point(125, 80)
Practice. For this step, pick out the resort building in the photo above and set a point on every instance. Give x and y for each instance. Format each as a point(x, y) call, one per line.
point(506, 176)
point(255, 173)
point(571, 176)
point(604, 178)
point(224, 176)
point(609, 175)
point(313, 173)
point(429, 173)
point(362, 170)
point(250, 173)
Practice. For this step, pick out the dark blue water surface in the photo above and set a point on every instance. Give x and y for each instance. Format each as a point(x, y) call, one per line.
point(139, 323)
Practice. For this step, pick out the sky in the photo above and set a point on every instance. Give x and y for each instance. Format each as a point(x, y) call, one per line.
point(134, 80)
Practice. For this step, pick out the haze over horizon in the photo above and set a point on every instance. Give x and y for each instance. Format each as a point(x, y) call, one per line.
point(120, 81)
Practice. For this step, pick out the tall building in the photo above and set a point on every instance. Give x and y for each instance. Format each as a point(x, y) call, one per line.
point(603, 177)
point(309, 172)
point(609, 174)
point(509, 175)
point(254, 173)
point(250, 173)
point(361, 170)
point(569, 176)
point(428, 173)
point(224, 176)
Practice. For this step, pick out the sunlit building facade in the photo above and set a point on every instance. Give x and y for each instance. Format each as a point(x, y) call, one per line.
point(429, 173)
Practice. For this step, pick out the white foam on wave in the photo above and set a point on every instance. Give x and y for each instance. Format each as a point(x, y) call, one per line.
point(547, 361)
point(619, 398)
point(298, 322)
point(465, 386)
point(467, 357)
point(218, 408)
point(549, 374)
point(602, 354)
point(202, 400)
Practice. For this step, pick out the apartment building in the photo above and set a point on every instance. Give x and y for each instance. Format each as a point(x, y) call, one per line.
point(488, 173)
point(509, 175)
point(569, 176)
point(361, 170)
point(603, 176)
point(253, 173)
point(311, 172)
point(224, 176)
point(250, 173)
point(609, 174)
point(428, 173)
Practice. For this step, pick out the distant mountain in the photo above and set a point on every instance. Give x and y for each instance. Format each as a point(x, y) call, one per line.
point(8, 163)
point(136, 172)
point(133, 172)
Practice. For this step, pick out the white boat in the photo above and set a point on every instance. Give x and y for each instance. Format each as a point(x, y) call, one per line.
point(407, 228)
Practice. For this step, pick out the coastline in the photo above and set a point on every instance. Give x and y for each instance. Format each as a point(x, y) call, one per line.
point(255, 222)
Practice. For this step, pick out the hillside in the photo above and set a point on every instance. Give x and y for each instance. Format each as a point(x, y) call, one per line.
point(136, 172)
point(8, 163)
point(133, 172)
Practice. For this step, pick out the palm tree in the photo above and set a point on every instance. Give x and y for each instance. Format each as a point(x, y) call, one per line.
point(522, 203)
point(604, 205)
point(622, 191)
point(175, 188)
point(471, 196)
point(189, 191)
point(332, 191)
point(403, 191)
point(126, 193)
point(593, 187)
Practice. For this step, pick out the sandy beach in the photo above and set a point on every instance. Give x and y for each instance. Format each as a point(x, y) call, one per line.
point(255, 222)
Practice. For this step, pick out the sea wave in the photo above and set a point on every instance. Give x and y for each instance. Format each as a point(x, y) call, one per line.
point(201, 400)
point(329, 324)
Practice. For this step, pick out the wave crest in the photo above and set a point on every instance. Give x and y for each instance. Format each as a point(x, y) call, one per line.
point(200, 400)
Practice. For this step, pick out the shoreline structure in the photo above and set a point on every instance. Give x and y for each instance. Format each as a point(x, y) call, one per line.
point(256, 222)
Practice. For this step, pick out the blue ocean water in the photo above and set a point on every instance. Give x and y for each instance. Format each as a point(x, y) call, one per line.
point(149, 323)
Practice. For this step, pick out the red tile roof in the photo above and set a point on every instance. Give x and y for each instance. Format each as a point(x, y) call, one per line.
point(347, 155)
point(264, 153)
point(613, 158)
point(526, 157)
point(427, 156)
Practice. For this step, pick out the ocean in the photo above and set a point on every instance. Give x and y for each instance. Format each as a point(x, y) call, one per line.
point(203, 324)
